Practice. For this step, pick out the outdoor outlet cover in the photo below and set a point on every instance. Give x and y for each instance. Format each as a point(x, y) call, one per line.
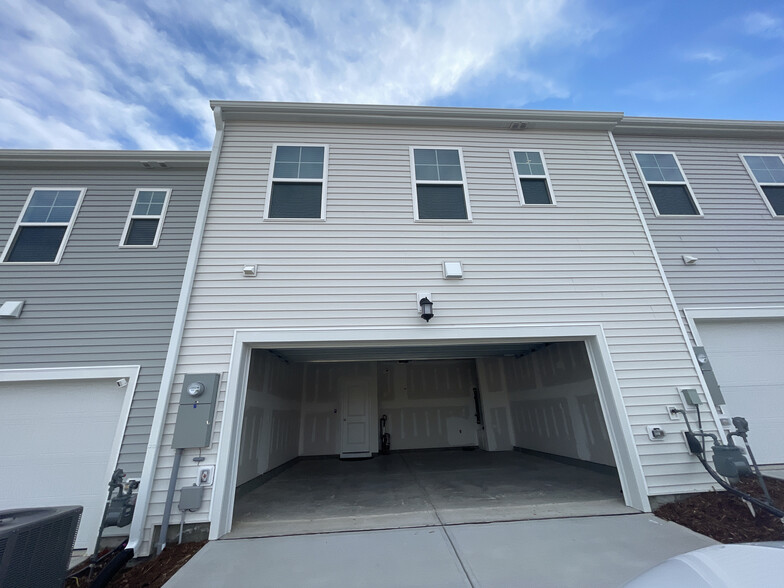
point(205, 475)
point(656, 433)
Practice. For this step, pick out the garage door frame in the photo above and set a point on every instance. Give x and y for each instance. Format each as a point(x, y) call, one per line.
point(56, 374)
point(630, 471)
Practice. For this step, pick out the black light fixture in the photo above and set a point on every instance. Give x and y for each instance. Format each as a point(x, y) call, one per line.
point(426, 309)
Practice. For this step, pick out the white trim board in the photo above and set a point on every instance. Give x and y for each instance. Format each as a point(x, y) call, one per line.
point(627, 460)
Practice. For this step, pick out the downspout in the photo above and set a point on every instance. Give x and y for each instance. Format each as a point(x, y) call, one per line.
point(167, 378)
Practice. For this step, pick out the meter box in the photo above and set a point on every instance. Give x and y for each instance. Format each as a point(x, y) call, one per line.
point(195, 413)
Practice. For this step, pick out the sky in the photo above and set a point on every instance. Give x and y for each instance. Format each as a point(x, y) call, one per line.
point(137, 74)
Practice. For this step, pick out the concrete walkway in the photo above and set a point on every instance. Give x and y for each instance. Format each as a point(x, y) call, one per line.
point(601, 551)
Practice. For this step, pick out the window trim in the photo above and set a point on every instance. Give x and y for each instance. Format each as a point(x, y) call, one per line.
point(757, 183)
point(161, 217)
point(69, 226)
point(685, 182)
point(464, 183)
point(271, 180)
point(545, 177)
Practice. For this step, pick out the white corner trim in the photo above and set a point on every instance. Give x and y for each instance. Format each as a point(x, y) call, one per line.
point(611, 399)
point(136, 534)
point(130, 372)
point(666, 283)
point(728, 313)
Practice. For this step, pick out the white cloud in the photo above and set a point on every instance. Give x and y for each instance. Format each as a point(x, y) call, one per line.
point(707, 56)
point(765, 25)
point(140, 74)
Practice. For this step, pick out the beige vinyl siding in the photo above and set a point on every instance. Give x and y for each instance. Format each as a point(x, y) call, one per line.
point(586, 260)
point(739, 244)
point(102, 305)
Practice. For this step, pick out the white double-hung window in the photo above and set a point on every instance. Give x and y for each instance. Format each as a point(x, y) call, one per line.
point(297, 188)
point(533, 181)
point(666, 185)
point(42, 230)
point(767, 171)
point(145, 219)
point(440, 191)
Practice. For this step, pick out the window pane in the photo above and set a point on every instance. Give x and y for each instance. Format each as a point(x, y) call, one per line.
point(426, 172)
point(66, 198)
point(673, 200)
point(142, 231)
point(646, 160)
point(313, 154)
point(425, 156)
point(659, 167)
point(775, 195)
point(449, 173)
point(37, 243)
point(311, 170)
point(288, 154)
point(36, 214)
point(529, 163)
point(286, 169)
point(535, 191)
point(43, 198)
point(295, 200)
point(448, 157)
point(158, 197)
point(441, 202)
point(653, 174)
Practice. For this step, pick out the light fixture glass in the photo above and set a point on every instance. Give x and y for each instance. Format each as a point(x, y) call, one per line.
point(426, 309)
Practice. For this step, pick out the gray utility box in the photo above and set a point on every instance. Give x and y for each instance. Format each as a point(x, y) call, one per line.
point(195, 413)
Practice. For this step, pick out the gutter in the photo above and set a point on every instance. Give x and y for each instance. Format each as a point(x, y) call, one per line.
point(167, 378)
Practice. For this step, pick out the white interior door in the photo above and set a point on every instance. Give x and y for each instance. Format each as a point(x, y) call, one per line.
point(355, 427)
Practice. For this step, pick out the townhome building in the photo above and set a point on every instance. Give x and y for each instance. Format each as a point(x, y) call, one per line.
point(474, 278)
point(712, 193)
point(93, 247)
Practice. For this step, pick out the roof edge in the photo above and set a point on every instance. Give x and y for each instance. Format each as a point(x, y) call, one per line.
point(104, 158)
point(639, 125)
point(512, 119)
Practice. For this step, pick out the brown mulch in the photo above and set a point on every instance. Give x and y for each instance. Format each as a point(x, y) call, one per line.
point(726, 518)
point(155, 572)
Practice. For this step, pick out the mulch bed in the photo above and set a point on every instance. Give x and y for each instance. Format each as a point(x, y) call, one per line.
point(726, 518)
point(157, 571)
point(153, 573)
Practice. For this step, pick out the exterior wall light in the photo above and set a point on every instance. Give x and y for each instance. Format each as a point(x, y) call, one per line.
point(426, 309)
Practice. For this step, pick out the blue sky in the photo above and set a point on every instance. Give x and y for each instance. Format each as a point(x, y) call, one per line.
point(79, 74)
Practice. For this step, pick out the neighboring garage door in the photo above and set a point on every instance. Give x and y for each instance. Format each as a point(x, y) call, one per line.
point(55, 446)
point(748, 359)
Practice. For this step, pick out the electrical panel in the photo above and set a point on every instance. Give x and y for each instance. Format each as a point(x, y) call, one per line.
point(195, 414)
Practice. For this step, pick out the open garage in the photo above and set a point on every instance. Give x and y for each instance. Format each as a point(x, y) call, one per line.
point(476, 432)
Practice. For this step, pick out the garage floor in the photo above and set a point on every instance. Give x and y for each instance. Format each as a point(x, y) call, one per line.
point(428, 488)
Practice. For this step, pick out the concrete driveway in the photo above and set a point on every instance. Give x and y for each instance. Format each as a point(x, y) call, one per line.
point(601, 551)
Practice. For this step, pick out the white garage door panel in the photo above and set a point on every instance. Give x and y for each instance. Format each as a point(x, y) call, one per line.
point(748, 360)
point(55, 446)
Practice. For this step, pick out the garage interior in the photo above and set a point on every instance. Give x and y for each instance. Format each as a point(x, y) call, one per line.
point(477, 433)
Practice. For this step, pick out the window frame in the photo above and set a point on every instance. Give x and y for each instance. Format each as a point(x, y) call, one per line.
point(464, 183)
point(271, 180)
point(161, 217)
point(69, 226)
point(545, 177)
point(685, 182)
point(757, 183)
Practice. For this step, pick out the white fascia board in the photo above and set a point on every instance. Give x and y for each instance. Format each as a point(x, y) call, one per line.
point(683, 127)
point(42, 158)
point(415, 115)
